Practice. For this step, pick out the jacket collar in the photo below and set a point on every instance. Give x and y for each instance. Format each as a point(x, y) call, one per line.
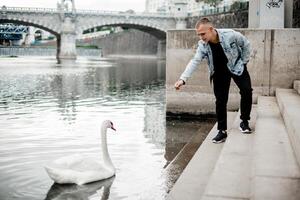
point(221, 37)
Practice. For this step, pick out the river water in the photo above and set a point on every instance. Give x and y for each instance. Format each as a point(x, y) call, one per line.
point(48, 111)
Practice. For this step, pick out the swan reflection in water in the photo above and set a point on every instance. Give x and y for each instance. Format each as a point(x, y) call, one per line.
point(92, 191)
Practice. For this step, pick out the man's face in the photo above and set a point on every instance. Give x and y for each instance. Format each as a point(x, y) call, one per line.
point(205, 32)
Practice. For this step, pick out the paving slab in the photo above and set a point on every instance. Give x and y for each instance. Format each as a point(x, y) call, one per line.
point(276, 188)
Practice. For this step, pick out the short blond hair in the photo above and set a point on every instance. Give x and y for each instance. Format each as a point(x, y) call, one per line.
point(203, 20)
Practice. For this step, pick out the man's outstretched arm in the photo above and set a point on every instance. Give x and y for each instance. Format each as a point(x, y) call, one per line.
point(191, 67)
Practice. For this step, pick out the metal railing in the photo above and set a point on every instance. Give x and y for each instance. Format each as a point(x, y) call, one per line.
point(242, 5)
point(101, 12)
point(28, 9)
point(10, 28)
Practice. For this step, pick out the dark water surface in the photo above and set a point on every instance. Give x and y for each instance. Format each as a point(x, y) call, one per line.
point(48, 111)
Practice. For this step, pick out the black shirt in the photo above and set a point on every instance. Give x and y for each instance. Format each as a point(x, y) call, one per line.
point(219, 58)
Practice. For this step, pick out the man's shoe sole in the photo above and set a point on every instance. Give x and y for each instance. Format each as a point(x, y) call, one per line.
point(245, 131)
point(218, 142)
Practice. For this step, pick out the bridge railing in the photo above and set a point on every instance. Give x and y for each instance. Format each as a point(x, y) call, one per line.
point(123, 13)
point(27, 9)
point(86, 12)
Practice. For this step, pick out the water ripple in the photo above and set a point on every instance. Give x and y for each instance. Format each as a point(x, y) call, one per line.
point(48, 111)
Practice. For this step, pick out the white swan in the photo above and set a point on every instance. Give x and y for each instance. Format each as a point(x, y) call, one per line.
point(79, 169)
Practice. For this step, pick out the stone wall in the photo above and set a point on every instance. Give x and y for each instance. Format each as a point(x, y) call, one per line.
point(235, 19)
point(274, 62)
point(129, 42)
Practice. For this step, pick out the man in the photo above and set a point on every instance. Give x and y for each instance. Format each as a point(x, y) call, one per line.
point(227, 53)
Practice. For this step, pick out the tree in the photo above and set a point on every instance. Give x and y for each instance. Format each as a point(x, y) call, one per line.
point(213, 3)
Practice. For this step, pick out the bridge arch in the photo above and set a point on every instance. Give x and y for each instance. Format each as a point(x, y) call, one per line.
point(37, 25)
point(152, 29)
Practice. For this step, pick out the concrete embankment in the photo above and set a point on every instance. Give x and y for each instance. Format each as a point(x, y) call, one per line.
point(274, 63)
point(264, 165)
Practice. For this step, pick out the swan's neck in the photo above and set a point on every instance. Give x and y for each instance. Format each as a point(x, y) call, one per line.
point(105, 154)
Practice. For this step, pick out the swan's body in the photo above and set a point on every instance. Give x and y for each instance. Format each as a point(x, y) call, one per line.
point(80, 169)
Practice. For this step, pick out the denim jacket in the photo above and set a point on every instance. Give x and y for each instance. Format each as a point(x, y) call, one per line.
point(236, 48)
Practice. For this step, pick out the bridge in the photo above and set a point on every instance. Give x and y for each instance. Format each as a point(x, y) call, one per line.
point(11, 32)
point(68, 23)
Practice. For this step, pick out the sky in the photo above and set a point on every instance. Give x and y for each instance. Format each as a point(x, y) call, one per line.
point(113, 5)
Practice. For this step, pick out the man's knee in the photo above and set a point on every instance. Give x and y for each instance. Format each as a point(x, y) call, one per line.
point(221, 102)
point(246, 92)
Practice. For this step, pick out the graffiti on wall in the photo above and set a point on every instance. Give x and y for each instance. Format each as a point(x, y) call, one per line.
point(274, 3)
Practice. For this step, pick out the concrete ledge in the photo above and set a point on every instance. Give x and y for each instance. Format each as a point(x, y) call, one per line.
point(296, 86)
point(192, 104)
point(276, 173)
point(289, 105)
point(185, 101)
point(194, 178)
point(231, 178)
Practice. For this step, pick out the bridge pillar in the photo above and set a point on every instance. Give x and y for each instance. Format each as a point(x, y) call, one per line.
point(29, 38)
point(66, 41)
point(66, 44)
point(161, 49)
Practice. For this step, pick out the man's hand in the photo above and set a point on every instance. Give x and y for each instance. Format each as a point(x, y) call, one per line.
point(178, 84)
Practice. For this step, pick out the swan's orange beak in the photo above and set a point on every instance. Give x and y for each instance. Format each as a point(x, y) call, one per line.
point(113, 128)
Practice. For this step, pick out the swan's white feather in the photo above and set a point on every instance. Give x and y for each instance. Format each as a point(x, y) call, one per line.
point(80, 169)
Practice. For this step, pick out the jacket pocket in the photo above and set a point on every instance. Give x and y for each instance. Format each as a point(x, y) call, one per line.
point(234, 50)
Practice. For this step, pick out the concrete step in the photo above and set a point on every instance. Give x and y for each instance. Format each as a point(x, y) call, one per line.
point(289, 105)
point(275, 169)
point(296, 86)
point(231, 177)
point(193, 180)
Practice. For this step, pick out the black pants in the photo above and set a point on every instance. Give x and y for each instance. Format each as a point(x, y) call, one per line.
point(221, 84)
